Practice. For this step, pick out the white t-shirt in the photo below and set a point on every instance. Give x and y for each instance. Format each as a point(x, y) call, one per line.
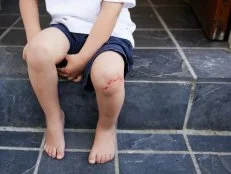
point(79, 16)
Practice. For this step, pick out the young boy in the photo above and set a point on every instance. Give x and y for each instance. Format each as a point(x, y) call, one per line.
point(95, 39)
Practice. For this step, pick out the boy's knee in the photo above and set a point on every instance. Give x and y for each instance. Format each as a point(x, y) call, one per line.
point(38, 53)
point(110, 83)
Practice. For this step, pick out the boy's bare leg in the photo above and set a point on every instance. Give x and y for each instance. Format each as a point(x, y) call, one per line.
point(107, 76)
point(42, 54)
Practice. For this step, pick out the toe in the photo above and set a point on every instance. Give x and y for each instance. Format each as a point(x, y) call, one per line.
point(49, 151)
point(60, 153)
point(92, 158)
point(103, 159)
point(53, 152)
point(45, 147)
point(98, 158)
point(111, 156)
point(108, 158)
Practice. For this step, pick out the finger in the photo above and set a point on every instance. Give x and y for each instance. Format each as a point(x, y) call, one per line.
point(72, 78)
point(62, 74)
point(78, 79)
point(62, 70)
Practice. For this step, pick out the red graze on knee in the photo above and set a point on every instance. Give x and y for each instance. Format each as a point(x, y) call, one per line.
point(111, 82)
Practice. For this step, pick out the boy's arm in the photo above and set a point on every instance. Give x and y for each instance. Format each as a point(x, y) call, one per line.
point(99, 34)
point(30, 16)
point(102, 29)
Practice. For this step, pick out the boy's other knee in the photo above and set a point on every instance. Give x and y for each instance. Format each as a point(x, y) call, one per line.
point(109, 83)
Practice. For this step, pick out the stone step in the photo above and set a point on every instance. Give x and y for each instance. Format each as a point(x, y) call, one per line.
point(157, 96)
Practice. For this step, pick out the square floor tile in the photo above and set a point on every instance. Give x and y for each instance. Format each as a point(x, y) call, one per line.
point(141, 3)
point(7, 20)
point(21, 139)
point(79, 140)
point(73, 163)
point(168, 2)
point(144, 17)
point(158, 164)
point(210, 143)
point(214, 164)
point(210, 65)
point(211, 107)
point(152, 39)
point(154, 106)
point(12, 64)
point(1, 31)
point(9, 7)
point(161, 142)
point(18, 105)
point(14, 37)
point(195, 38)
point(12, 162)
point(150, 64)
point(179, 17)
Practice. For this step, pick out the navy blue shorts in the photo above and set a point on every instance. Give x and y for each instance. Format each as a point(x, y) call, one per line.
point(77, 40)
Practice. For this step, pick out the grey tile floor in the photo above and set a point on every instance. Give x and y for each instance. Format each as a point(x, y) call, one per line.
point(173, 59)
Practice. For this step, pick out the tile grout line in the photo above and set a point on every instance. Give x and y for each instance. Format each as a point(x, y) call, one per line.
point(146, 48)
point(183, 56)
point(7, 31)
point(19, 148)
point(39, 156)
point(189, 107)
point(117, 169)
point(126, 81)
point(125, 131)
point(125, 151)
point(194, 160)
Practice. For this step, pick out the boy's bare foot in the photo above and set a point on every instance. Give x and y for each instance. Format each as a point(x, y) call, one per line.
point(55, 143)
point(103, 149)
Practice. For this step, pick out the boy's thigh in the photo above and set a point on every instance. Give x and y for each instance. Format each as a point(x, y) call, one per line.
point(108, 65)
point(50, 41)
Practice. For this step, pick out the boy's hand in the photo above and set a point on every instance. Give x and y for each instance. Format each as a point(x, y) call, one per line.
point(74, 69)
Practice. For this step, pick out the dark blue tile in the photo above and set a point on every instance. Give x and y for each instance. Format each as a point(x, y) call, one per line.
point(78, 140)
point(196, 38)
point(211, 107)
point(214, 164)
point(140, 3)
point(21, 139)
point(158, 65)
point(18, 105)
point(210, 143)
point(151, 142)
point(210, 65)
point(154, 106)
point(179, 17)
point(12, 162)
point(73, 163)
point(147, 105)
point(1, 31)
point(169, 2)
point(7, 20)
point(14, 37)
point(158, 164)
point(152, 39)
point(12, 7)
point(145, 18)
point(12, 64)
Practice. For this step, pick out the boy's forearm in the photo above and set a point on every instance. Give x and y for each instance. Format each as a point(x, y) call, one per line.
point(102, 29)
point(30, 15)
